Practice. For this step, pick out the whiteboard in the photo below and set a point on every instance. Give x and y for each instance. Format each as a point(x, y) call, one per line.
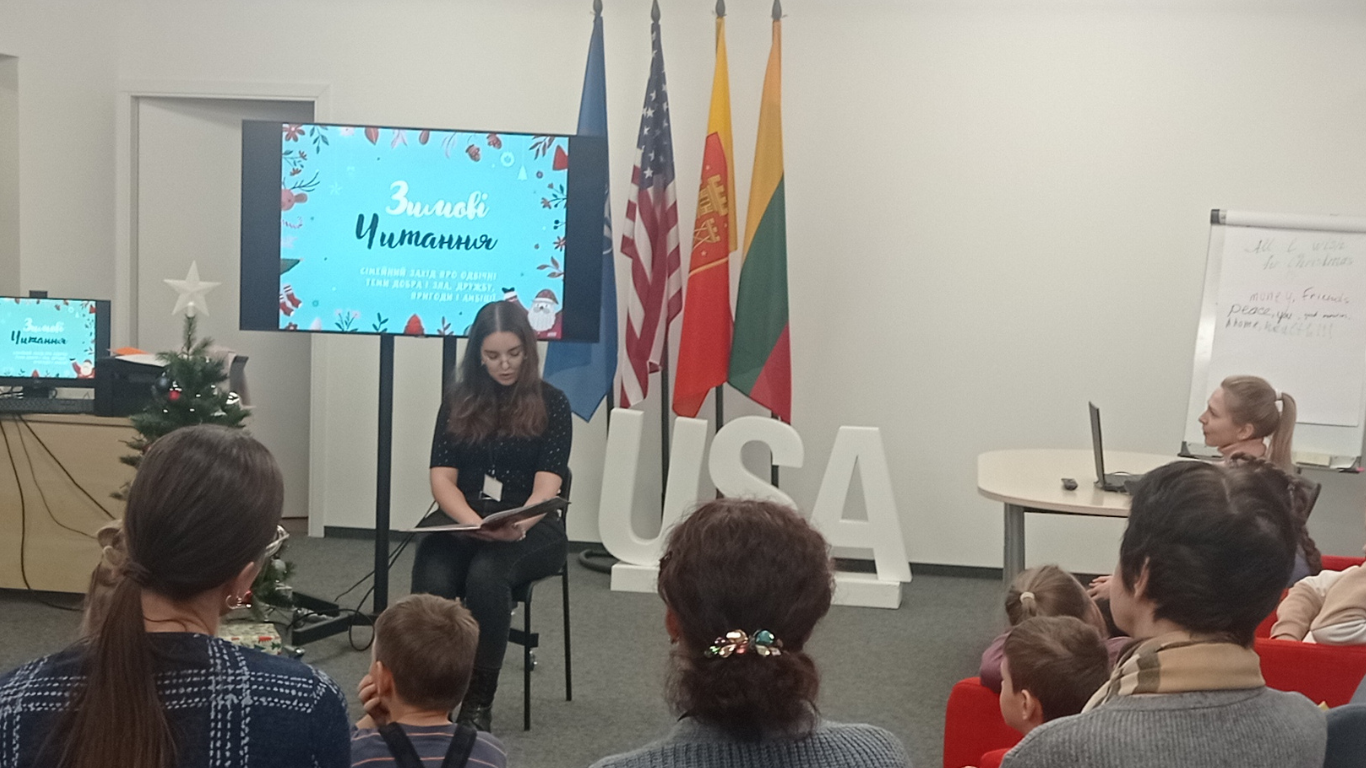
point(1285, 299)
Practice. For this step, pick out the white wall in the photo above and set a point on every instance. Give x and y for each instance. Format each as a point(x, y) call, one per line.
point(997, 209)
point(9, 175)
point(67, 51)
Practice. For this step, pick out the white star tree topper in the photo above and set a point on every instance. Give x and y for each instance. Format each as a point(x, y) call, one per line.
point(191, 290)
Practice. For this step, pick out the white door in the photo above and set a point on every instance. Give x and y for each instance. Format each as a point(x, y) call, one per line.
point(188, 187)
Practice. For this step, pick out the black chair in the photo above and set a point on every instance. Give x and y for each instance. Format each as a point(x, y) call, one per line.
point(529, 640)
point(1313, 488)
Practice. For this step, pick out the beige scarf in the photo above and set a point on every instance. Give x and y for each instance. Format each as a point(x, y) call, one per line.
point(1179, 662)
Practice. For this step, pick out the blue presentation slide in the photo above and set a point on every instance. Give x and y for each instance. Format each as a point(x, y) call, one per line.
point(412, 231)
point(47, 338)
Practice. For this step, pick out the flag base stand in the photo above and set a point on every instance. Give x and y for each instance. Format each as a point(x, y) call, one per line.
point(599, 560)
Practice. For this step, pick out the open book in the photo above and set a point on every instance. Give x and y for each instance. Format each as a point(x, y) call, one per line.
point(497, 519)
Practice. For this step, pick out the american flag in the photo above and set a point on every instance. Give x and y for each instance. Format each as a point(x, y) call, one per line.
point(650, 240)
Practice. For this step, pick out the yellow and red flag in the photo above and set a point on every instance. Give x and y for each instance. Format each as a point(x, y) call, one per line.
point(761, 353)
point(704, 346)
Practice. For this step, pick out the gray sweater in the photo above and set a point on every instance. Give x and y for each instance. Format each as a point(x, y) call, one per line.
point(830, 745)
point(1250, 728)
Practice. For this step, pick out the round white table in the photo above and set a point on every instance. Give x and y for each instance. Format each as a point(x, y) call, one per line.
point(1030, 480)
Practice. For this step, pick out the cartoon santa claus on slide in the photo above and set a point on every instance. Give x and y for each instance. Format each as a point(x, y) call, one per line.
point(544, 314)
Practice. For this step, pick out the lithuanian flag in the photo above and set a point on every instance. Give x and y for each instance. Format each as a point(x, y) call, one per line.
point(704, 344)
point(760, 355)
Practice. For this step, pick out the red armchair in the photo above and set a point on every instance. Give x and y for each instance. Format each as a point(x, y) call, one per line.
point(1324, 673)
point(973, 725)
point(1339, 563)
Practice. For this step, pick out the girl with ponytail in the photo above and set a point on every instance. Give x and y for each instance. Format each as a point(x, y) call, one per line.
point(151, 686)
point(744, 584)
point(1046, 590)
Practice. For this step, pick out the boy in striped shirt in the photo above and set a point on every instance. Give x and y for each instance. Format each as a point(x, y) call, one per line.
point(420, 666)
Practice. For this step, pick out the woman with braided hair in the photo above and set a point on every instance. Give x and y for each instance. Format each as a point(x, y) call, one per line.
point(744, 584)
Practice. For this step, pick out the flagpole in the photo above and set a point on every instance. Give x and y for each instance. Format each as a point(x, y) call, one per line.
point(664, 403)
point(773, 468)
point(664, 410)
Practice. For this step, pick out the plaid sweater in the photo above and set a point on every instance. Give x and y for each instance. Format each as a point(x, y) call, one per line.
point(228, 706)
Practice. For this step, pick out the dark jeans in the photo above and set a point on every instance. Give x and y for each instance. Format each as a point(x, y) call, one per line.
point(483, 573)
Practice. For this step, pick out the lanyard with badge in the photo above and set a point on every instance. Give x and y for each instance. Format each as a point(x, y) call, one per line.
point(493, 487)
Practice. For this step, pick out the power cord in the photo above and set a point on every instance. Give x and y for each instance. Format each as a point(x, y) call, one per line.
point(393, 558)
point(33, 472)
point(23, 529)
point(360, 617)
point(62, 467)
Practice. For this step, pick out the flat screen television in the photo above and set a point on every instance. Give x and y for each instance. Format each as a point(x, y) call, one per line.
point(364, 229)
point(51, 342)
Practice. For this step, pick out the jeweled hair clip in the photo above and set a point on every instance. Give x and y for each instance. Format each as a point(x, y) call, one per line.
point(737, 643)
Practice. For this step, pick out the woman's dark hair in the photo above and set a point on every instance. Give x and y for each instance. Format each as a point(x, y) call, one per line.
point(749, 565)
point(1218, 543)
point(480, 407)
point(204, 505)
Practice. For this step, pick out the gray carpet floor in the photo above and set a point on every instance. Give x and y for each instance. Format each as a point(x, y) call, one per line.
point(889, 668)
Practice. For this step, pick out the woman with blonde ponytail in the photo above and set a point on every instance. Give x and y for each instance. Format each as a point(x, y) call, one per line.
point(151, 686)
point(1243, 412)
point(1239, 418)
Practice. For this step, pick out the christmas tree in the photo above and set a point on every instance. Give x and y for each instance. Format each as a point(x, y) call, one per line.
point(192, 389)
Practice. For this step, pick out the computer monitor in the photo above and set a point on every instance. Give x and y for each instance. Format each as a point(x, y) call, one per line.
point(393, 230)
point(1097, 446)
point(47, 342)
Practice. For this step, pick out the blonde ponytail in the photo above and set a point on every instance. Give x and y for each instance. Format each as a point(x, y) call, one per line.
point(1279, 452)
point(1046, 591)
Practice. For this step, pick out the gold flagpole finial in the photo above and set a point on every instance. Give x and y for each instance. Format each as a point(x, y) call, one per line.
point(777, 10)
point(654, 12)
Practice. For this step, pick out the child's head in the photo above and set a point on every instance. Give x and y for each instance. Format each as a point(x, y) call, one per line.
point(105, 577)
point(1052, 666)
point(423, 652)
point(1050, 591)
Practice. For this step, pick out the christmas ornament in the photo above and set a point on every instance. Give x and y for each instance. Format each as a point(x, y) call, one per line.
point(191, 292)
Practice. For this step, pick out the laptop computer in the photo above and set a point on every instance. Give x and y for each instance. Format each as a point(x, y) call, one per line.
point(1121, 482)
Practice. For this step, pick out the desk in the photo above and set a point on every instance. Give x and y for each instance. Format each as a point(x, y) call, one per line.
point(1031, 481)
point(46, 523)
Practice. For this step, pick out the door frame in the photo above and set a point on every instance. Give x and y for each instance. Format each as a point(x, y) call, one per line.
point(130, 93)
point(125, 310)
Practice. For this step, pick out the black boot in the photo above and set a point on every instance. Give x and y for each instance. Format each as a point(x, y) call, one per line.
point(476, 710)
